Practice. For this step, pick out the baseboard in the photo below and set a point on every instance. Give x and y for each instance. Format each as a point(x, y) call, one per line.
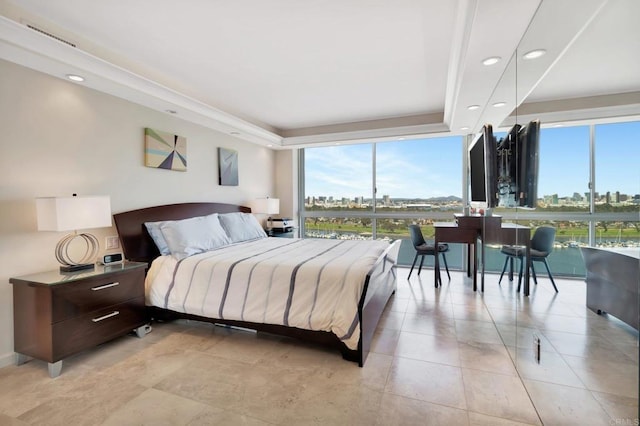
point(7, 359)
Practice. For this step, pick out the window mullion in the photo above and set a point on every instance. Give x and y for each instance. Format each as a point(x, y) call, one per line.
point(592, 184)
point(373, 189)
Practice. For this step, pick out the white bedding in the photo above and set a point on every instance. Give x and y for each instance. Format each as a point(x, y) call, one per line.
point(311, 284)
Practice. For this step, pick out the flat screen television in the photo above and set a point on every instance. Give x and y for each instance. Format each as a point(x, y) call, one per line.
point(529, 141)
point(483, 169)
point(508, 167)
point(518, 166)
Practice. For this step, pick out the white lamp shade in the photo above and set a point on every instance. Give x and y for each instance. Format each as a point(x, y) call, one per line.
point(73, 213)
point(266, 206)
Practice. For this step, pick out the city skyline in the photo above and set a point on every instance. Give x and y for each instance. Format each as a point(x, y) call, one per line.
point(582, 200)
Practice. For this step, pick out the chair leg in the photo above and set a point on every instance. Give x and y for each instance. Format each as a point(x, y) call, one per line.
point(421, 262)
point(504, 268)
point(550, 277)
point(533, 274)
point(520, 274)
point(446, 266)
point(510, 268)
point(413, 264)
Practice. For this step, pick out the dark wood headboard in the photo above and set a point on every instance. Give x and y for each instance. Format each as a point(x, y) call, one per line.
point(137, 244)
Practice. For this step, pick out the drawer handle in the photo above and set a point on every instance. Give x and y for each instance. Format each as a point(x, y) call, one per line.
point(102, 287)
point(104, 317)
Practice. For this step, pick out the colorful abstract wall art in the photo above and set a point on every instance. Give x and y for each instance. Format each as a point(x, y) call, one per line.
point(163, 150)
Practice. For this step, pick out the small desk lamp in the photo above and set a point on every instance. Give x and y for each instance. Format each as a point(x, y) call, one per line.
point(266, 206)
point(72, 214)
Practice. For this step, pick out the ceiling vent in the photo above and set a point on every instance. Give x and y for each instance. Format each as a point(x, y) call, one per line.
point(48, 34)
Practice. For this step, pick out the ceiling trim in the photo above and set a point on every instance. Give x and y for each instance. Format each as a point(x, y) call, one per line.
point(368, 125)
point(465, 15)
point(578, 109)
point(373, 135)
point(32, 49)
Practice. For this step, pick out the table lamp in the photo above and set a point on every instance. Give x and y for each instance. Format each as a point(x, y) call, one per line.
point(266, 206)
point(73, 214)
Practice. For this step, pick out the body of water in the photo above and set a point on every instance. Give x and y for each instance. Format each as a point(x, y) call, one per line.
point(565, 260)
point(562, 262)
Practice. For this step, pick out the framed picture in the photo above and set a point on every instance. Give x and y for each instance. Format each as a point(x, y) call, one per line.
point(163, 150)
point(227, 167)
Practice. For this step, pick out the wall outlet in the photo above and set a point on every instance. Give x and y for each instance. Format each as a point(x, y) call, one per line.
point(112, 243)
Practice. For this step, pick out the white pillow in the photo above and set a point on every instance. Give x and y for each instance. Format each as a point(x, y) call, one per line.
point(241, 227)
point(156, 234)
point(195, 235)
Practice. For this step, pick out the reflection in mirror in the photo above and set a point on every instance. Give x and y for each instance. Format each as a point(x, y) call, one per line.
point(589, 191)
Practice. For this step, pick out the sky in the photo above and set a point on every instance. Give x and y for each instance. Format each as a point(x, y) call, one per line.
point(432, 167)
point(420, 168)
point(564, 164)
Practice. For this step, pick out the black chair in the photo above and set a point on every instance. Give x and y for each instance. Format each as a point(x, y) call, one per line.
point(423, 249)
point(541, 247)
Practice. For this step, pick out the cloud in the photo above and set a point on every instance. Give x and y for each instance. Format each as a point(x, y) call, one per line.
point(412, 169)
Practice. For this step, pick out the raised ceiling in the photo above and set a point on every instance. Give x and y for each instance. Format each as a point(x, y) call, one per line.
point(291, 73)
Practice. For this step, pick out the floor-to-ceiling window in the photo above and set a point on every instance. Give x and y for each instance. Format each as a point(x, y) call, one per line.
point(338, 191)
point(573, 198)
point(617, 184)
point(375, 190)
point(563, 198)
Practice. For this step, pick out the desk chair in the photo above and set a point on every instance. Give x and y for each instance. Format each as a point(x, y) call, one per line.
point(541, 247)
point(423, 249)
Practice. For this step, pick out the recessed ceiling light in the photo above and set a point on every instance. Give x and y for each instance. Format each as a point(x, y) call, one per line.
point(499, 104)
point(491, 60)
point(337, 143)
point(269, 146)
point(171, 111)
point(464, 128)
point(400, 139)
point(75, 77)
point(472, 107)
point(558, 125)
point(533, 54)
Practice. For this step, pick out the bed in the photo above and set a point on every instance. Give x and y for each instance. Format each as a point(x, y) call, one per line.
point(331, 292)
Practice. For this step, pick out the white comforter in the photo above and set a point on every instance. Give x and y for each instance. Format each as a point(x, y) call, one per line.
point(311, 284)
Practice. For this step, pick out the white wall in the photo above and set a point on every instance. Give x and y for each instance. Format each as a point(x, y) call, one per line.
point(286, 179)
point(60, 138)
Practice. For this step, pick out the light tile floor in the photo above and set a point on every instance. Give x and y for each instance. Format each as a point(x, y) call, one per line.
point(445, 356)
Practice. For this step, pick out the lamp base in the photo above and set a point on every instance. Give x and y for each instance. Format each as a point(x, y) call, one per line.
point(74, 268)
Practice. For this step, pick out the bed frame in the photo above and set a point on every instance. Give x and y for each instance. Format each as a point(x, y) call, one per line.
point(379, 285)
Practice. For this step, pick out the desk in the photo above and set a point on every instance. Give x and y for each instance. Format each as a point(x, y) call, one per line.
point(487, 229)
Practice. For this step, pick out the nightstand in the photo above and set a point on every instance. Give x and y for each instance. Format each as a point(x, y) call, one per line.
point(277, 234)
point(59, 314)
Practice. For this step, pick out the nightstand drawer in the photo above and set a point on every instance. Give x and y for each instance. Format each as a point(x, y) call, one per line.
point(75, 299)
point(76, 334)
